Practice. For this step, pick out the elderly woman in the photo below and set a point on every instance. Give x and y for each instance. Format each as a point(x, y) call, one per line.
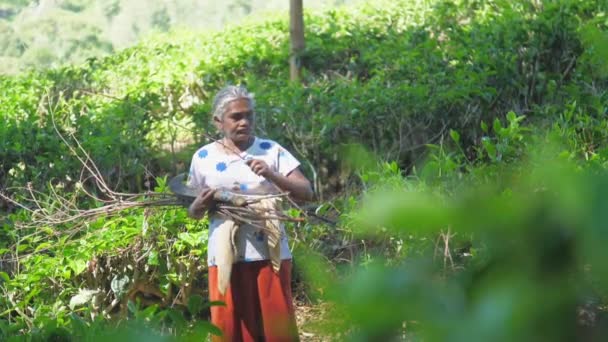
point(258, 298)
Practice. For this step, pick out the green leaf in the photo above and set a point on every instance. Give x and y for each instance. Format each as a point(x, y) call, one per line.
point(484, 127)
point(455, 136)
point(177, 318)
point(161, 184)
point(42, 246)
point(4, 276)
point(195, 304)
point(192, 239)
point(78, 266)
point(497, 126)
point(48, 230)
point(489, 147)
point(203, 328)
point(66, 273)
point(511, 117)
point(216, 303)
point(149, 312)
point(153, 258)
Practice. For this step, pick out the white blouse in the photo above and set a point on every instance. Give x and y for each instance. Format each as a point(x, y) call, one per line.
point(213, 167)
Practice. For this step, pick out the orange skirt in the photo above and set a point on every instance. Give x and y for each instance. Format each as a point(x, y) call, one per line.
point(259, 306)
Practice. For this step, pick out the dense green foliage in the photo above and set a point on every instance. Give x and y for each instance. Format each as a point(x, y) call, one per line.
point(475, 196)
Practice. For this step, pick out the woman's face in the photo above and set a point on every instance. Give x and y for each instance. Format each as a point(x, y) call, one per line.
point(238, 121)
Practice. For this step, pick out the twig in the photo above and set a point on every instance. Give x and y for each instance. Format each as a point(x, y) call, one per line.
point(568, 68)
point(257, 199)
point(444, 238)
point(27, 319)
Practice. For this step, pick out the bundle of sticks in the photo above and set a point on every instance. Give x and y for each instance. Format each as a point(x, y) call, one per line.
point(55, 209)
point(234, 206)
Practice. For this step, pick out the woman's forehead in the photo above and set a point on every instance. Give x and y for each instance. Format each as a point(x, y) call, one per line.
point(239, 105)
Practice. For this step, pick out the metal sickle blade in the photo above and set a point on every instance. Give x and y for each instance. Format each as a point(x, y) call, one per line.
point(181, 190)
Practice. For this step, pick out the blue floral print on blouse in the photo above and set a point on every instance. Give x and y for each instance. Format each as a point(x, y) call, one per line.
point(221, 167)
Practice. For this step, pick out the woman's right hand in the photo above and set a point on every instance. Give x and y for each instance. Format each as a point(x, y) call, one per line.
point(203, 203)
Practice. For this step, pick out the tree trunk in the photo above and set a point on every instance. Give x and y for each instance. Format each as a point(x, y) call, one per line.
point(296, 33)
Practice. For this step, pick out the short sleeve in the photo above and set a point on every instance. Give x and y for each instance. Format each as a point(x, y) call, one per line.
point(195, 178)
point(286, 162)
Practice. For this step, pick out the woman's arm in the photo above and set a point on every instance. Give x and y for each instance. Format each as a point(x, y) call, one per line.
point(203, 202)
point(295, 182)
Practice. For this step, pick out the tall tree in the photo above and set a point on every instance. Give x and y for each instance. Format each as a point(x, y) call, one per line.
point(296, 32)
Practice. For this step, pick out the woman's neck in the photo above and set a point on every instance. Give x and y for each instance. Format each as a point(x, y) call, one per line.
point(239, 146)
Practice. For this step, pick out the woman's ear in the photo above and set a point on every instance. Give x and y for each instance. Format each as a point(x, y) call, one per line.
point(217, 123)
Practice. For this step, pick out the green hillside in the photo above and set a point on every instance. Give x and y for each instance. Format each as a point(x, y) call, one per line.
point(49, 33)
point(461, 147)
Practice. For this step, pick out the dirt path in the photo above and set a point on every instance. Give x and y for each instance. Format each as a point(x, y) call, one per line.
point(308, 318)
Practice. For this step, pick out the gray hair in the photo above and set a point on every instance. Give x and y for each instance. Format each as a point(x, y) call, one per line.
point(227, 95)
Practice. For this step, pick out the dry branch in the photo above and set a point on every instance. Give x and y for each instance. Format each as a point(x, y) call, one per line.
point(54, 209)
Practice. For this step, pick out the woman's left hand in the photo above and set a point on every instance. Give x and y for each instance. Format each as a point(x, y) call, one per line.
point(295, 183)
point(260, 168)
